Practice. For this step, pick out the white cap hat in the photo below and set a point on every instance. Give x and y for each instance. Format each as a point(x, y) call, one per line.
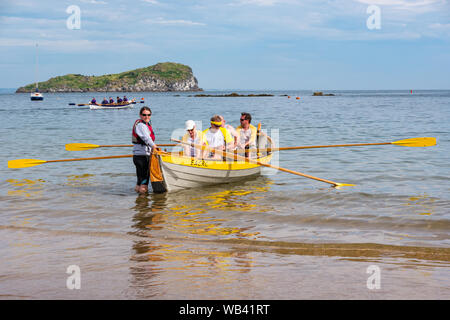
point(190, 124)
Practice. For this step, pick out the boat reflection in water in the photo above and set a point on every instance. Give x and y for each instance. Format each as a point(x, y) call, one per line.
point(181, 235)
point(26, 187)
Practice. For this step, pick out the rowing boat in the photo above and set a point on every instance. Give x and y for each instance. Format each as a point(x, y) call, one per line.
point(180, 172)
point(111, 106)
point(174, 171)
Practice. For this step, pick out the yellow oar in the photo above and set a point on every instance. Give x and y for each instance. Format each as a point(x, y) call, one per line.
point(236, 157)
point(88, 146)
point(25, 163)
point(416, 142)
point(413, 142)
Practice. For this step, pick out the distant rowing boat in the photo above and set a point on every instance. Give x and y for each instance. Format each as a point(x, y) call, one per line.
point(111, 106)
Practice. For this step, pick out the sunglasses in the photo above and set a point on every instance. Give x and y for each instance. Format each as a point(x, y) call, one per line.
point(146, 114)
point(243, 119)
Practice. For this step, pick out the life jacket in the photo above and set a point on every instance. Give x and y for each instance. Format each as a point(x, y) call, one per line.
point(227, 137)
point(135, 138)
point(253, 133)
point(199, 139)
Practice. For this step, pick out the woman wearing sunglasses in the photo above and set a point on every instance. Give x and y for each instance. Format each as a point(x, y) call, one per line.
point(143, 139)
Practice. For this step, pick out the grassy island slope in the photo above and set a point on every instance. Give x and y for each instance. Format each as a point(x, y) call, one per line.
point(166, 76)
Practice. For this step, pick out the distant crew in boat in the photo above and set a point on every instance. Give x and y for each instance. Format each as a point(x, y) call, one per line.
point(119, 100)
point(218, 138)
point(125, 99)
point(111, 100)
point(194, 136)
point(93, 101)
point(104, 101)
point(232, 131)
point(247, 133)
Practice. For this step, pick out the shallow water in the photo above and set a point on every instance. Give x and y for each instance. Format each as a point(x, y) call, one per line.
point(279, 236)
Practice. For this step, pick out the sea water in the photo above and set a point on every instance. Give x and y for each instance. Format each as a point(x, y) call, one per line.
point(279, 236)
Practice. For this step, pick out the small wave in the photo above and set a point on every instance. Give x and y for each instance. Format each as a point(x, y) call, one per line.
point(95, 234)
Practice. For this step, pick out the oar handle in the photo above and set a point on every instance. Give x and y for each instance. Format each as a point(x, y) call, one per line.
point(93, 158)
point(114, 145)
point(131, 145)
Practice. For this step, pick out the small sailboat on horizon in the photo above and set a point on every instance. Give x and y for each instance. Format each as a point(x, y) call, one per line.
point(36, 95)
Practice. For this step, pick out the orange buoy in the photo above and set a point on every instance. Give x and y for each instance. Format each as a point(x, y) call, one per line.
point(289, 97)
point(297, 98)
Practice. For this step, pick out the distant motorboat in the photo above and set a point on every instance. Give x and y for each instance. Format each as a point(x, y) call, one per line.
point(36, 95)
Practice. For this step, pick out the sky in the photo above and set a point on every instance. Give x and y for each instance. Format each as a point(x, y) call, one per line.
point(234, 44)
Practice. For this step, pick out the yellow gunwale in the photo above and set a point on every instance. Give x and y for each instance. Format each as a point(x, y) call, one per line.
point(177, 159)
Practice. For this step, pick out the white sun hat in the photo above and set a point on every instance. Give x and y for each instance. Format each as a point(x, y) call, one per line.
point(190, 124)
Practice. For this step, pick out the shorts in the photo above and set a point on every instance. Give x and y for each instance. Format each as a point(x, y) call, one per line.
point(142, 169)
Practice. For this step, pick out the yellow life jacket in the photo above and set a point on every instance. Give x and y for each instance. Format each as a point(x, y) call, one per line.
point(253, 135)
point(226, 135)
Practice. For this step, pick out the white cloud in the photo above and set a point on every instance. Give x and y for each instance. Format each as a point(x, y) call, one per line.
point(94, 1)
point(445, 26)
point(403, 3)
point(255, 2)
point(174, 22)
point(415, 6)
point(262, 3)
point(70, 45)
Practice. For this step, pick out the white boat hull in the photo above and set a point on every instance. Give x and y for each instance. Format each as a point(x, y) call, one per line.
point(98, 106)
point(36, 96)
point(184, 172)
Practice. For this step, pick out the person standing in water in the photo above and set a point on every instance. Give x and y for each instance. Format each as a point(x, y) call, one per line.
point(143, 139)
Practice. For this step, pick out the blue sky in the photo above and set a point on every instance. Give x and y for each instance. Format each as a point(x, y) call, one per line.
point(234, 44)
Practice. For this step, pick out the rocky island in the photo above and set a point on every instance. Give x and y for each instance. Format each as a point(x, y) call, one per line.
point(234, 94)
point(167, 76)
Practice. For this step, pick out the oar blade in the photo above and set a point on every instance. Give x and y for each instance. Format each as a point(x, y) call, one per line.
point(416, 142)
point(80, 146)
point(340, 185)
point(24, 163)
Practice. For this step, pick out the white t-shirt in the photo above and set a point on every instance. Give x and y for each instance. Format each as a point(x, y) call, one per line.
point(192, 151)
point(245, 137)
point(215, 138)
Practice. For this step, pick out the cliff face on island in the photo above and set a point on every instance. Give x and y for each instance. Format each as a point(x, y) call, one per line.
point(166, 76)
